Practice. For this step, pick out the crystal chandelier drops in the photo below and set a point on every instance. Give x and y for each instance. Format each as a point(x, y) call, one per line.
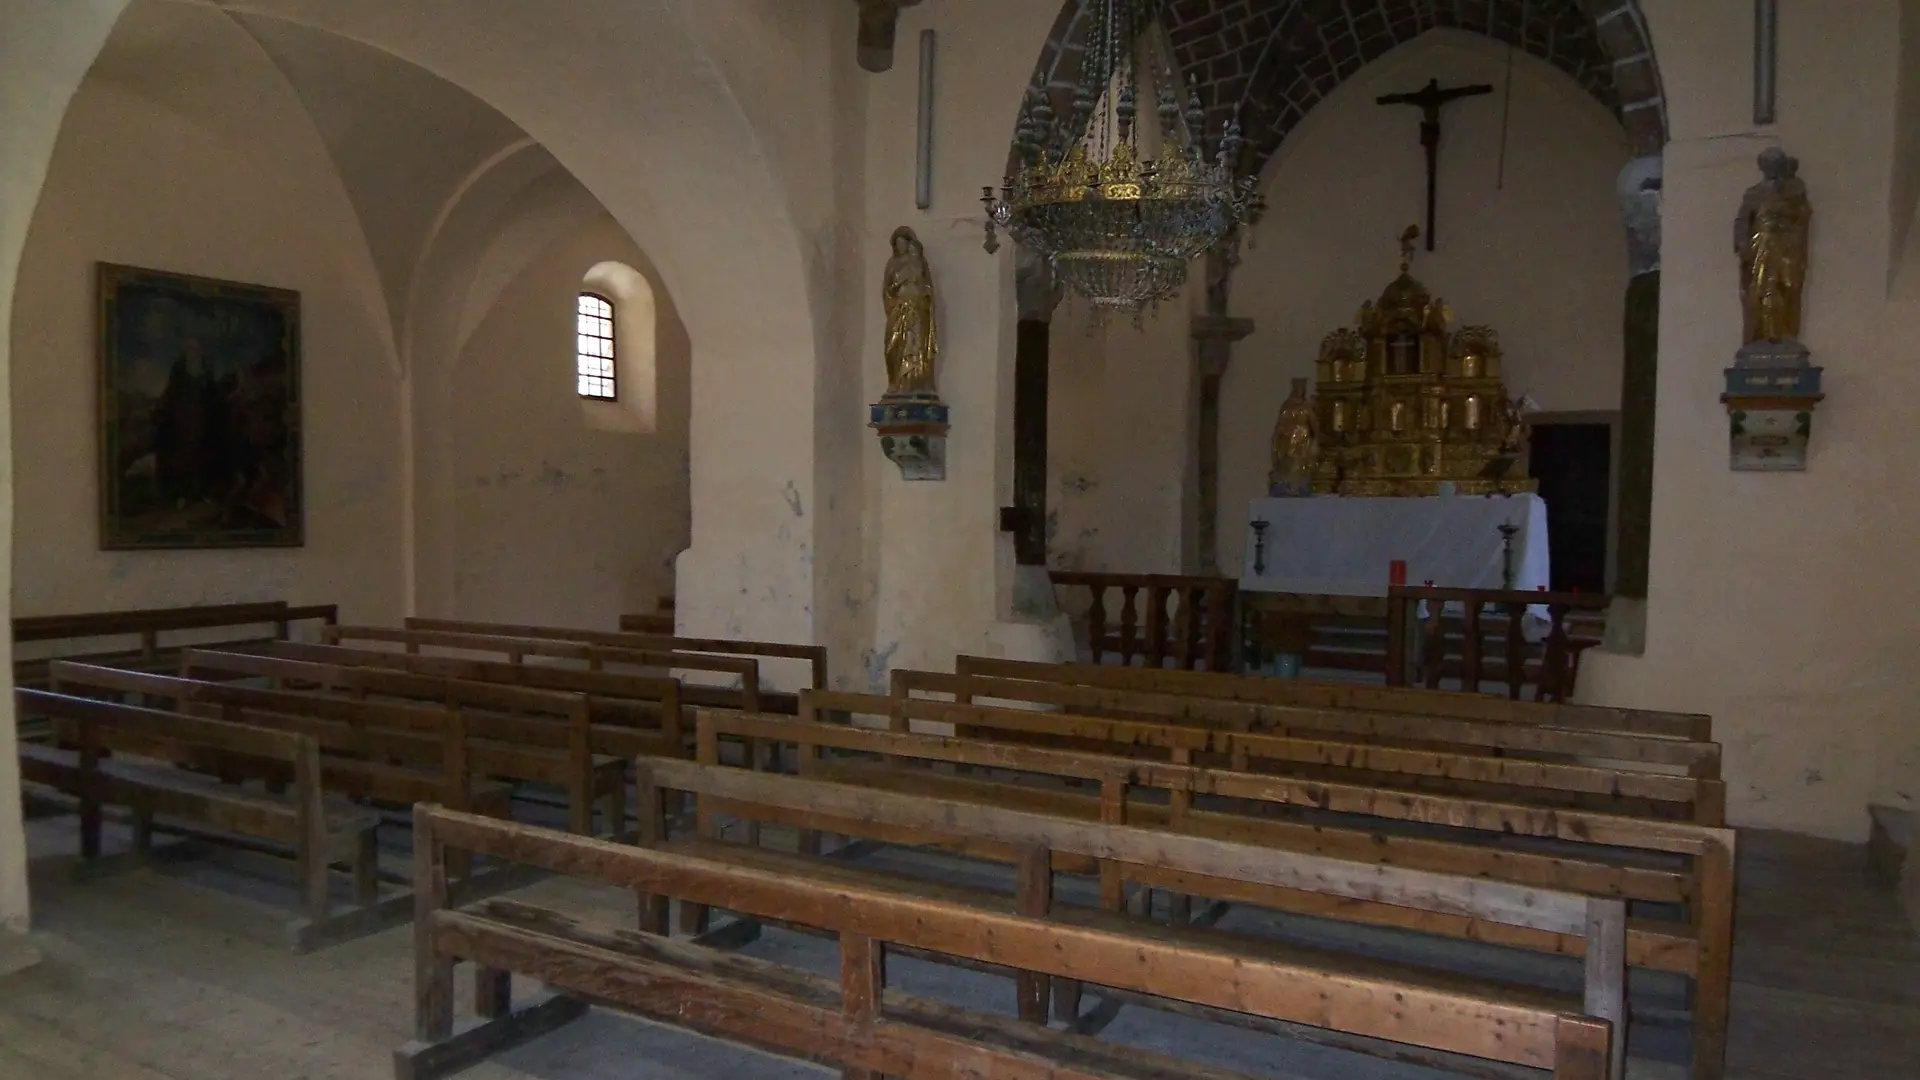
point(1117, 226)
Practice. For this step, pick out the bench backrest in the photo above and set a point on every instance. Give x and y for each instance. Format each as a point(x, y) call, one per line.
point(340, 724)
point(1463, 771)
point(106, 725)
point(517, 650)
point(612, 696)
point(1074, 945)
point(1120, 772)
point(1454, 704)
point(1697, 759)
point(814, 655)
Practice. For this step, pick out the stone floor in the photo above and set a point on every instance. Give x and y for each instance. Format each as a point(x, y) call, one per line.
point(179, 975)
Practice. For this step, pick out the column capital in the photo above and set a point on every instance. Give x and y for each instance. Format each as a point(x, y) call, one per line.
point(879, 19)
point(1222, 328)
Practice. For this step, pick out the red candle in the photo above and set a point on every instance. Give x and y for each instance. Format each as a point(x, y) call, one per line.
point(1397, 572)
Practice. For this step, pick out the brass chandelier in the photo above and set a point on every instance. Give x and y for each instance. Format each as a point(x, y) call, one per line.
point(1119, 226)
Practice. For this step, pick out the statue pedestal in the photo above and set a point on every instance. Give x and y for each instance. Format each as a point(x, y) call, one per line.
point(1771, 393)
point(913, 433)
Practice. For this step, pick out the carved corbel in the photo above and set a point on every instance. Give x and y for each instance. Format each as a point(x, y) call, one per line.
point(879, 22)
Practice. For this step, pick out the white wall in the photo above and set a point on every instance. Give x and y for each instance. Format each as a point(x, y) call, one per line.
point(1541, 259)
point(135, 182)
point(557, 519)
point(1120, 405)
point(1786, 605)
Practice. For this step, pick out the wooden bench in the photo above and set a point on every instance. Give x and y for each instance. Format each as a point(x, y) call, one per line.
point(1615, 773)
point(1123, 853)
point(1446, 703)
point(814, 655)
point(1646, 861)
point(371, 750)
point(1651, 753)
point(89, 635)
point(859, 1025)
point(538, 736)
point(1259, 743)
point(317, 831)
point(596, 659)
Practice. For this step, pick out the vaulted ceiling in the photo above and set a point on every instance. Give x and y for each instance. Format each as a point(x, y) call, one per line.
point(1274, 60)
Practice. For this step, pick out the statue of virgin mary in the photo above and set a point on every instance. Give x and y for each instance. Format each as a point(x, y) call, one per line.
point(911, 343)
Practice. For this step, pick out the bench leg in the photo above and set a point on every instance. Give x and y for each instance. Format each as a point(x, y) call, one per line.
point(142, 830)
point(1581, 1048)
point(492, 993)
point(1713, 985)
point(366, 869)
point(314, 884)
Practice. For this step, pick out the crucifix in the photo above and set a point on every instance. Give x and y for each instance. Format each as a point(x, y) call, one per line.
point(1430, 99)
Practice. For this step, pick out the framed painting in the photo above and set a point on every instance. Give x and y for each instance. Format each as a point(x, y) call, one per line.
point(199, 412)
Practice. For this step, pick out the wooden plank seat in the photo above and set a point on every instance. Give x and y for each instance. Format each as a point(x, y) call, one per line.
point(1347, 745)
point(318, 831)
point(1700, 760)
point(1445, 703)
point(596, 657)
point(1651, 862)
point(815, 656)
point(538, 736)
point(863, 1028)
point(102, 636)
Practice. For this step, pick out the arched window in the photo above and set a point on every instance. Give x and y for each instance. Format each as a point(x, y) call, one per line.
point(594, 353)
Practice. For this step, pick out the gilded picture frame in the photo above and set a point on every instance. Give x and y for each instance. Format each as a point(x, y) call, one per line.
point(199, 412)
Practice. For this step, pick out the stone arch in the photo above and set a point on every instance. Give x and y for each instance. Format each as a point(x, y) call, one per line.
point(1272, 61)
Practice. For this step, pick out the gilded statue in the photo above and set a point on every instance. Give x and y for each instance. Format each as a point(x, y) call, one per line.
point(1770, 236)
point(912, 344)
point(1296, 444)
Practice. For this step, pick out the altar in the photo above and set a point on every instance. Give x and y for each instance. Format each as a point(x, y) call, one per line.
point(1344, 546)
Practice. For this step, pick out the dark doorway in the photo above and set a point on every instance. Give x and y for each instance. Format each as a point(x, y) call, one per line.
point(1573, 463)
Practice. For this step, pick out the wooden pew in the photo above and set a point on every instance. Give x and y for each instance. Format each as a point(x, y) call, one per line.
point(90, 635)
point(541, 736)
point(373, 750)
point(1263, 742)
point(1448, 703)
point(318, 832)
point(1700, 760)
point(859, 1025)
point(814, 655)
point(1123, 853)
point(1650, 861)
point(595, 657)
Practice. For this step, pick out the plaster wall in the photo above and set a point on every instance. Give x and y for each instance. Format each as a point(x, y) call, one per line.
point(944, 574)
point(134, 182)
point(1785, 604)
point(1121, 406)
point(1540, 256)
point(43, 56)
point(559, 520)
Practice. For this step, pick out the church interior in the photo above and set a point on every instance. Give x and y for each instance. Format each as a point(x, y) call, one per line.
point(1045, 539)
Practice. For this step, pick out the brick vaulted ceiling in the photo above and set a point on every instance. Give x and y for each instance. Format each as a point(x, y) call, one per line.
point(1274, 60)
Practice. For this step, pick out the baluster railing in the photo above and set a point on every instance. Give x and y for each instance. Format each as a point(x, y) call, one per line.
point(1198, 633)
point(1421, 651)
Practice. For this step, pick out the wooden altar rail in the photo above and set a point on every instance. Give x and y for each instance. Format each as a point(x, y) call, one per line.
point(1414, 640)
point(1187, 621)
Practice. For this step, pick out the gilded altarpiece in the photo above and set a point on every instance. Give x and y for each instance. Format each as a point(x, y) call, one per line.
point(1406, 403)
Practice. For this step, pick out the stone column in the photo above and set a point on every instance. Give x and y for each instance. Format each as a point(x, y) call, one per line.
point(1214, 333)
point(1639, 191)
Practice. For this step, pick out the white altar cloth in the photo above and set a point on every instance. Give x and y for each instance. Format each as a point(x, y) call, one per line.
point(1340, 546)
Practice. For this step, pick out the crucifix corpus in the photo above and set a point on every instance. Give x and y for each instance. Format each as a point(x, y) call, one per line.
point(1430, 99)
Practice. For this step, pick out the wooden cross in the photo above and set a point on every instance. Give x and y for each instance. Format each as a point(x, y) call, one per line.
point(1430, 99)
